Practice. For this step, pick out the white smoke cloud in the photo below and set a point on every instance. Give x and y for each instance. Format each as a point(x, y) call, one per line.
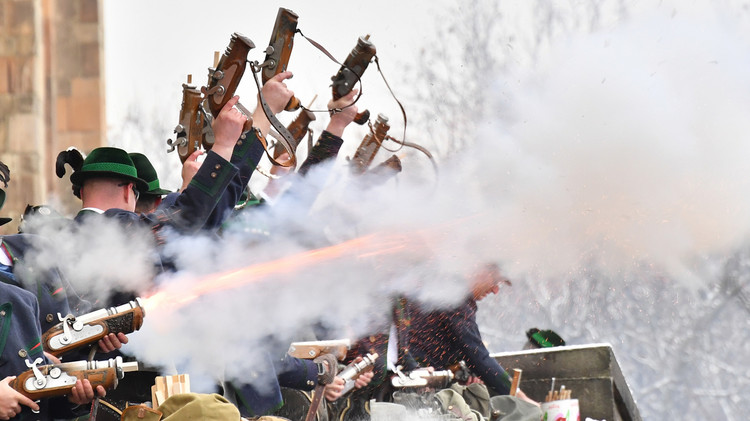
point(630, 144)
point(627, 147)
point(97, 256)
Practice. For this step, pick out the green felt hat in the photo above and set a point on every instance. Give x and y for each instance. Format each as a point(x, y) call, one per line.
point(108, 162)
point(544, 338)
point(147, 173)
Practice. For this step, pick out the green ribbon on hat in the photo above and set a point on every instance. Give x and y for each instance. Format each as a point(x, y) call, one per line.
point(123, 169)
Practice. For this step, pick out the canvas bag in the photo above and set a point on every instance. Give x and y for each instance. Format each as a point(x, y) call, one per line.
point(185, 406)
point(511, 408)
point(476, 396)
point(453, 403)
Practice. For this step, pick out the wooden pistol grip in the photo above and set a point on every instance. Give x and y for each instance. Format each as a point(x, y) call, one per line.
point(370, 145)
point(228, 72)
point(280, 49)
point(298, 127)
point(353, 68)
point(191, 119)
point(293, 104)
point(312, 352)
point(281, 44)
point(362, 118)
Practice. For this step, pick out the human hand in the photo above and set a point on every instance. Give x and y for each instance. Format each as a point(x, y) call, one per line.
point(473, 379)
point(11, 400)
point(333, 390)
point(227, 127)
point(190, 167)
point(83, 393)
point(327, 368)
point(112, 342)
point(277, 95)
point(364, 379)
point(341, 119)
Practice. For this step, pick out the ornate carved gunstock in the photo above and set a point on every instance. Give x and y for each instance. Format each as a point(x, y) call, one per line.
point(189, 132)
point(370, 145)
point(298, 128)
point(352, 70)
point(279, 49)
point(73, 332)
point(59, 379)
point(225, 77)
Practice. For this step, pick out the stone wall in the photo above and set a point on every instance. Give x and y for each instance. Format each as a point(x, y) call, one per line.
point(51, 96)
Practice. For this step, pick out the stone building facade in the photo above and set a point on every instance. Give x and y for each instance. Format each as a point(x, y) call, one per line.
point(51, 96)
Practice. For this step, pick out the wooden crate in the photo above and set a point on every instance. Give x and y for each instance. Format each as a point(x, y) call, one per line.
point(590, 371)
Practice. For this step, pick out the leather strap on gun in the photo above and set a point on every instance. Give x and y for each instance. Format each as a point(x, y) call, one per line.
point(280, 49)
point(59, 379)
point(361, 51)
point(326, 373)
point(403, 142)
point(76, 331)
point(189, 133)
point(298, 128)
point(286, 140)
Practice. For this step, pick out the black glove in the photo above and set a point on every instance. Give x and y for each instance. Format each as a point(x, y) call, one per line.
point(327, 367)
